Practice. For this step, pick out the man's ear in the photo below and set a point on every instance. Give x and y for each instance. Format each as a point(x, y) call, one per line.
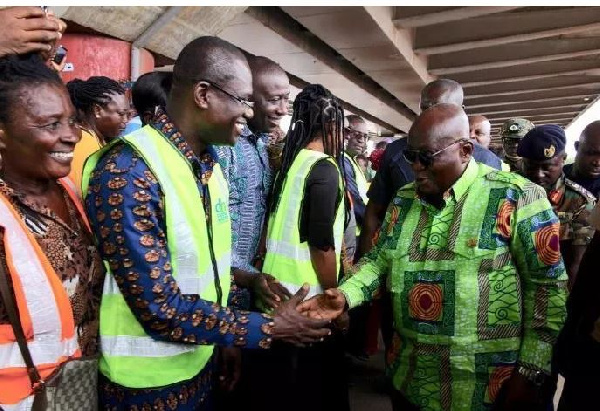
point(577, 146)
point(2, 137)
point(466, 151)
point(201, 95)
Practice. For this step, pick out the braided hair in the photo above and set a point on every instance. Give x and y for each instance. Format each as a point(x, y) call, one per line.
point(18, 72)
point(317, 113)
point(94, 91)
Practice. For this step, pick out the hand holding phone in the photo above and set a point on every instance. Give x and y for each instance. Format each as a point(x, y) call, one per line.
point(61, 53)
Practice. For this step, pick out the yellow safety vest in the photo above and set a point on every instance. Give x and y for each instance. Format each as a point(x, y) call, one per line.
point(130, 357)
point(361, 180)
point(287, 259)
point(361, 183)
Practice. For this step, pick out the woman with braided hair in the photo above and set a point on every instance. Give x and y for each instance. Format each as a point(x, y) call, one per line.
point(51, 273)
point(102, 112)
point(307, 216)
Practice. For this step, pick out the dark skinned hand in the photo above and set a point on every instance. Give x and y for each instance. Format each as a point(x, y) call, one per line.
point(326, 306)
point(342, 323)
point(269, 291)
point(520, 394)
point(29, 29)
point(229, 367)
point(292, 327)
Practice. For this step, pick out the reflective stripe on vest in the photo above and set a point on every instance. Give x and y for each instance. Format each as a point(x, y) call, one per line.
point(361, 184)
point(287, 259)
point(44, 308)
point(359, 177)
point(24, 405)
point(130, 357)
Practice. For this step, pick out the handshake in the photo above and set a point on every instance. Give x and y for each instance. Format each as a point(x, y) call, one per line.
point(302, 323)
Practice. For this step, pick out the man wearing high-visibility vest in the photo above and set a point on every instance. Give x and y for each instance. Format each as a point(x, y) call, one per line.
point(158, 204)
point(356, 137)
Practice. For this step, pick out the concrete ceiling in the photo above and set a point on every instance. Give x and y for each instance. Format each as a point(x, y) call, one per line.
point(535, 62)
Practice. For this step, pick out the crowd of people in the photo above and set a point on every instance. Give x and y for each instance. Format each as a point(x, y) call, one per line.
point(209, 260)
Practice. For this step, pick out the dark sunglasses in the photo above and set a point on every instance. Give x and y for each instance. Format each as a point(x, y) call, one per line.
point(425, 157)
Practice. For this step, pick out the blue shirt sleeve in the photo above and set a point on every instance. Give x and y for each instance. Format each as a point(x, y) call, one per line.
point(485, 156)
point(125, 207)
point(357, 202)
point(390, 177)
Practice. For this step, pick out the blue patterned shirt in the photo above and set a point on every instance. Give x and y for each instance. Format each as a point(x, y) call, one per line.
point(125, 207)
point(246, 168)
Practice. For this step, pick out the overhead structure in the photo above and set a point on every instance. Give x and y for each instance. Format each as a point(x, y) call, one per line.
point(540, 63)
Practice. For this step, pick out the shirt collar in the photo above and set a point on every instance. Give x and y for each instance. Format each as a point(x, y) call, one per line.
point(254, 137)
point(462, 185)
point(559, 183)
point(162, 122)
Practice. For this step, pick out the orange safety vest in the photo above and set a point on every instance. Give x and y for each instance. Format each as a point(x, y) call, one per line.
point(44, 309)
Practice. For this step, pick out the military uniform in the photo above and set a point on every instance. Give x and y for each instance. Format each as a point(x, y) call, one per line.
point(512, 131)
point(571, 202)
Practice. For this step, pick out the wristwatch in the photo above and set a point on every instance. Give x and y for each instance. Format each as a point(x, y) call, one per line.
point(536, 377)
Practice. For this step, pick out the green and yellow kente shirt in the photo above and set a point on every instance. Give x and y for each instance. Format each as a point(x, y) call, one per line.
point(477, 287)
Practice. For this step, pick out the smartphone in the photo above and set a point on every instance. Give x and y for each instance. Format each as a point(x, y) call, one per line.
point(61, 53)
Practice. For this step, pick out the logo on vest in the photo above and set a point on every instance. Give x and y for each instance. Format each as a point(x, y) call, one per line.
point(221, 211)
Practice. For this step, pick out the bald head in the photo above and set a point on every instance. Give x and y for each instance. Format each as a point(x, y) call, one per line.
point(208, 58)
point(441, 121)
point(210, 88)
point(260, 66)
point(271, 94)
point(480, 130)
point(587, 160)
point(591, 131)
point(438, 150)
point(357, 134)
point(441, 91)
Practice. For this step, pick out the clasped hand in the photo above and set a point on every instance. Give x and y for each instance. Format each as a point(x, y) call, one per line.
point(327, 306)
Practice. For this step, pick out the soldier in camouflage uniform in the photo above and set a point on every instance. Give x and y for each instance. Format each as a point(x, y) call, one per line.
point(543, 155)
point(513, 130)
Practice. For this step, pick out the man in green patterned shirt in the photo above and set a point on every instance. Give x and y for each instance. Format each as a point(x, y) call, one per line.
point(471, 258)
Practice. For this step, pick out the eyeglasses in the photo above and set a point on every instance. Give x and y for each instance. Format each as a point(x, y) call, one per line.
point(426, 157)
point(356, 133)
point(247, 103)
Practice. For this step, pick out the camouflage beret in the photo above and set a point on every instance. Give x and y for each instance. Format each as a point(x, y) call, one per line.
point(543, 142)
point(515, 128)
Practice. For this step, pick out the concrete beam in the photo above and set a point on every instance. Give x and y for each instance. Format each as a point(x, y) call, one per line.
point(518, 87)
point(527, 95)
point(526, 72)
point(534, 112)
point(495, 130)
point(156, 26)
point(402, 39)
point(543, 117)
point(427, 15)
point(284, 25)
point(510, 55)
point(524, 107)
point(504, 28)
